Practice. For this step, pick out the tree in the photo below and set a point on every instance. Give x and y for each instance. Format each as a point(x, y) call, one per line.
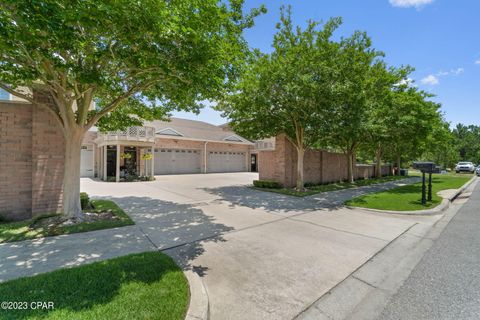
point(412, 119)
point(288, 90)
point(379, 129)
point(137, 59)
point(355, 67)
point(441, 146)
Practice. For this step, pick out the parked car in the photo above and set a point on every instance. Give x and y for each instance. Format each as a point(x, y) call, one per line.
point(465, 167)
point(478, 171)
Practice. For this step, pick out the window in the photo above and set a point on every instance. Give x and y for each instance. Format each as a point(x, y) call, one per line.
point(4, 95)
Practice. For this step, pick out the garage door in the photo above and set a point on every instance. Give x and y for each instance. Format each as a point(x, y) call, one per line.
point(225, 161)
point(177, 161)
point(86, 161)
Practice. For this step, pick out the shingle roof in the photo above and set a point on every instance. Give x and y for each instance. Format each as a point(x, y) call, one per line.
point(194, 129)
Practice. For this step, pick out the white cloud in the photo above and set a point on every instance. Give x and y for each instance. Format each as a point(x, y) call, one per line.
point(457, 71)
point(410, 3)
point(477, 61)
point(430, 79)
point(434, 79)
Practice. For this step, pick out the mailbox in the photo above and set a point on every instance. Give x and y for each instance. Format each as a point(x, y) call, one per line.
point(425, 167)
point(437, 169)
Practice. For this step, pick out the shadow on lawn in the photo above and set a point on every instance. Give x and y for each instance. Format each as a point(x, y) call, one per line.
point(93, 285)
point(167, 225)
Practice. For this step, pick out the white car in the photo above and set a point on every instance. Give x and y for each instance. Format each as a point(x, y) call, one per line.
point(465, 167)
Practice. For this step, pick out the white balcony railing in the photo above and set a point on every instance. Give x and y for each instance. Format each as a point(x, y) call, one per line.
point(146, 134)
point(264, 145)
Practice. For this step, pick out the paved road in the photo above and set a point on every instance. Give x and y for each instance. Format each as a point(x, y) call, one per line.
point(446, 282)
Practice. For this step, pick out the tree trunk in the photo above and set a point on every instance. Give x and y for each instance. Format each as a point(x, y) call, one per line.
point(300, 156)
point(378, 166)
point(71, 178)
point(399, 160)
point(350, 166)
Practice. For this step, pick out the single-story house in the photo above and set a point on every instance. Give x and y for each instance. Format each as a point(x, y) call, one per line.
point(179, 146)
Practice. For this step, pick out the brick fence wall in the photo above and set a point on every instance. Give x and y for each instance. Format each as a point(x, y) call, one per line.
point(31, 161)
point(320, 167)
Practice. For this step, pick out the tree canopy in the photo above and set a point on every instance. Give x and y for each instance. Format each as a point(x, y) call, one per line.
point(136, 59)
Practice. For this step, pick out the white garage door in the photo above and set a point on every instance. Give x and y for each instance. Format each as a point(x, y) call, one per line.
point(176, 161)
point(86, 161)
point(225, 161)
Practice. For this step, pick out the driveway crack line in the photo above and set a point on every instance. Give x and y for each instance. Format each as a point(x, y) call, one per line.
point(366, 282)
point(339, 230)
point(354, 271)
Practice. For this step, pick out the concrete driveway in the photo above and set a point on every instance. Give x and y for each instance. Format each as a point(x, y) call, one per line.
point(260, 255)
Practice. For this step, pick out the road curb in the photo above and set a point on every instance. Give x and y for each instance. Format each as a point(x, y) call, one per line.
point(365, 292)
point(444, 205)
point(198, 308)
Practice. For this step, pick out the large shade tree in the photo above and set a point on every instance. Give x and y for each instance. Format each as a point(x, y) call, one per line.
point(413, 118)
point(380, 116)
point(287, 91)
point(356, 74)
point(136, 59)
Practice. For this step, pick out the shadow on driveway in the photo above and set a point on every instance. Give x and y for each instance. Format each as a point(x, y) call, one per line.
point(170, 225)
point(274, 202)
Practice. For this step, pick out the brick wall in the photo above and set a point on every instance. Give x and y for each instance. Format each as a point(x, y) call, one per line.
point(319, 166)
point(15, 160)
point(31, 161)
point(48, 149)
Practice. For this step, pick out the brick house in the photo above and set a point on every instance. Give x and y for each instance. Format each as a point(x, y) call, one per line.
point(179, 146)
point(32, 154)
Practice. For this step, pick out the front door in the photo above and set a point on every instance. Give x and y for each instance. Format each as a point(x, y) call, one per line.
point(111, 161)
point(253, 163)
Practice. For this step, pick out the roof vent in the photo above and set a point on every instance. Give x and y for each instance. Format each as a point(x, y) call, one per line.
point(169, 132)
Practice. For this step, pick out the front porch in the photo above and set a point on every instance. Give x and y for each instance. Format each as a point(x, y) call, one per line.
point(126, 155)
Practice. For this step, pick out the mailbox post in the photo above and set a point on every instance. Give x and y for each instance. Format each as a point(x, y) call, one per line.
point(426, 167)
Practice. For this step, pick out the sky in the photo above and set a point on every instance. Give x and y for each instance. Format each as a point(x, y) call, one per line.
point(439, 38)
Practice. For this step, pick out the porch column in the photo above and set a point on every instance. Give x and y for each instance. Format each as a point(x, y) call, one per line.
point(152, 163)
point(104, 163)
point(117, 171)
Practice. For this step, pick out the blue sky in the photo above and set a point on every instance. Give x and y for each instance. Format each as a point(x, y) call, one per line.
point(439, 38)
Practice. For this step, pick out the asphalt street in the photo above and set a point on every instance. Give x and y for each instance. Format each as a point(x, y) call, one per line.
point(446, 282)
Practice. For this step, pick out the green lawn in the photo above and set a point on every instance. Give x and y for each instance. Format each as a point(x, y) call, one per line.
point(330, 187)
point(18, 231)
point(408, 198)
point(138, 286)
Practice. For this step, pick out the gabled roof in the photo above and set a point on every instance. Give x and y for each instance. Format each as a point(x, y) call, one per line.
point(196, 130)
point(169, 132)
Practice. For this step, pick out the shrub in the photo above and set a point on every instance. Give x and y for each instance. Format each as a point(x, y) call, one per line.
point(267, 184)
point(84, 200)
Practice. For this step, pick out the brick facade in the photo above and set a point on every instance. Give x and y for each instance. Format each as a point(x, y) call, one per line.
point(319, 166)
point(31, 161)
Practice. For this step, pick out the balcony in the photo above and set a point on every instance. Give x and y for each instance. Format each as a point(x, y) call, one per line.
point(131, 134)
point(265, 145)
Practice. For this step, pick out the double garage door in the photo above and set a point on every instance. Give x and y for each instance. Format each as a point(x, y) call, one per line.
point(225, 161)
point(177, 161)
